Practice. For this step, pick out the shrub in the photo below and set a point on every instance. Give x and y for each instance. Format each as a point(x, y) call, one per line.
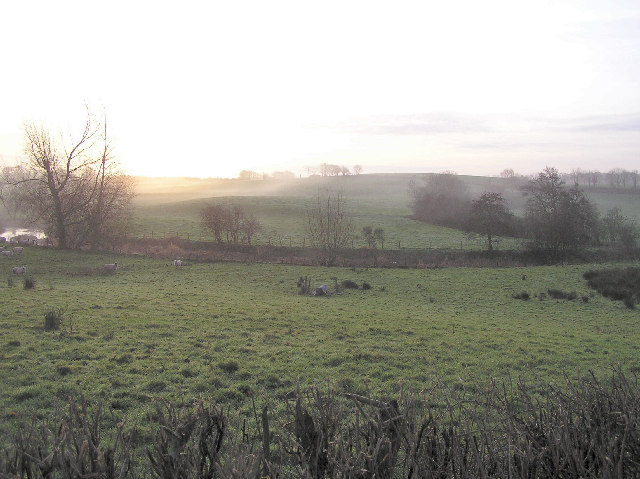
point(616, 284)
point(523, 295)
point(29, 283)
point(53, 319)
point(366, 286)
point(556, 293)
point(348, 284)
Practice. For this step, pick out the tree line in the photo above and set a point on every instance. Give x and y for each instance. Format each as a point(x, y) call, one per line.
point(557, 218)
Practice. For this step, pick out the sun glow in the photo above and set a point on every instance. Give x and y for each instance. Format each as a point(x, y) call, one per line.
point(210, 89)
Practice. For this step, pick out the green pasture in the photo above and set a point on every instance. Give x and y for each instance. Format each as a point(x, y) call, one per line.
point(171, 207)
point(230, 330)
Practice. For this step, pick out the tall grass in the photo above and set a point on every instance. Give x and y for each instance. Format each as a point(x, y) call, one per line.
point(585, 428)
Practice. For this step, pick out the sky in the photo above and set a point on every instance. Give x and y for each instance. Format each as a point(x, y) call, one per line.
point(206, 89)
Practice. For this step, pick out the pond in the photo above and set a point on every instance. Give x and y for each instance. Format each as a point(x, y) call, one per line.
point(10, 233)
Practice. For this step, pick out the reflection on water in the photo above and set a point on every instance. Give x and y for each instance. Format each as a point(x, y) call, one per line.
point(22, 231)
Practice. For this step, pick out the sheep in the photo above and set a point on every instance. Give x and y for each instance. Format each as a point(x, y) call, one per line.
point(6, 253)
point(17, 249)
point(177, 262)
point(20, 269)
point(111, 267)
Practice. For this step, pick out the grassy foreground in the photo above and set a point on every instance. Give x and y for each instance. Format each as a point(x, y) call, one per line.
point(229, 330)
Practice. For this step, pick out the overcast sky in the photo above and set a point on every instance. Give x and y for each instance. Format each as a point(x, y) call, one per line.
point(210, 88)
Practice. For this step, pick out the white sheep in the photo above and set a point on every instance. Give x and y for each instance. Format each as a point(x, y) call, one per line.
point(17, 249)
point(6, 253)
point(177, 262)
point(20, 269)
point(111, 267)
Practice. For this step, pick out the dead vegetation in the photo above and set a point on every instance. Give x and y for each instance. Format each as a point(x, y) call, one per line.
point(585, 428)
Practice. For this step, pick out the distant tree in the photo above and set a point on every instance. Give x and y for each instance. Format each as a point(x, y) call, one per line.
point(558, 219)
point(249, 175)
point(74, 189)
point(633, 174)
point(367, 234)
point(442, 200)
point(619, 229)
point(344, 171)
point(214, 218)
point(230, 221)
point(233, 223)
point(378, 235)
point(357, 169)
point(507, 173)
point(490, 217)
point(329, 224)
point(334, 170)
point(250, 226)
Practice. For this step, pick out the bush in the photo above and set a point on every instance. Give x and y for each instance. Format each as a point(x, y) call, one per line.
point(366, 286)
point(556, 293)
point(616, 284)
point(523, 295)
point(53, 319)
point(348, 284)
point(29, 283)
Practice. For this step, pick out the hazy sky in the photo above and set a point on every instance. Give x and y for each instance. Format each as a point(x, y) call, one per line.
point(210, 88)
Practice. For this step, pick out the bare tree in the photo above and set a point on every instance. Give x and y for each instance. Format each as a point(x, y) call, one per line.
point(357, 169)
point(329, 225)
point(250, 226)
point(378, 235)
point(231, 221)
point(73, 190)
point(214, 219)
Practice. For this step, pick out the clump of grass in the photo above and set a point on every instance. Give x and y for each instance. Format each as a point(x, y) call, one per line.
point(229, 367)
point(53, 319)
point(64, 370)
point(29, 283)
point(156, 386)
point(10, 282)
point(523, 296)
point(348, 284)
point(556, 293)
point(366, 286)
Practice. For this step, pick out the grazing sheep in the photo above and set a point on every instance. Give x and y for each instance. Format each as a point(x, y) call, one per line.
point(6, 253)
point(177, 262)
point(111, 267)
point(20, 269)
point(17, 249)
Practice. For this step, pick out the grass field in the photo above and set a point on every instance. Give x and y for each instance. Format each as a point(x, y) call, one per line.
point(228, 330)
point(166, 208)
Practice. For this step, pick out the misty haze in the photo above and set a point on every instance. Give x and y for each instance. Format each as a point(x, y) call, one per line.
point(349, 240)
